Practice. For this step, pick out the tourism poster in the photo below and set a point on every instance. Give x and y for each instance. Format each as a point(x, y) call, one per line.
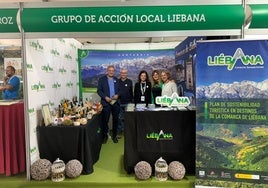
point(232, 110)
point(185, 56)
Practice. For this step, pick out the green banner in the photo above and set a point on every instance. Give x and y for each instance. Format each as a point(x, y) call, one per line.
point(132, 18)
point(259, 16)
point(8, 22)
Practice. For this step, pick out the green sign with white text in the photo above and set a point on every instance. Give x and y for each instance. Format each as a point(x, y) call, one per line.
point(132, 18)
point(259, 16)
point(8, 22)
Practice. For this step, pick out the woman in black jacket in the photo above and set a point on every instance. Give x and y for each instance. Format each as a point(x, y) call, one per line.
point(142, 89)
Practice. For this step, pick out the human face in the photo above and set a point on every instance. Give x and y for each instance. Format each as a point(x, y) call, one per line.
point(110, 72)
point(156, 76)
point(180, 75)
point(164, 77)
point(9, 72)
point(143, 77)
point(123, 74)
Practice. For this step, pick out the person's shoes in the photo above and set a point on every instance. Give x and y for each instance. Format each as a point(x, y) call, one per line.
point(104, 140)
point(115, 140)
point(120, 135)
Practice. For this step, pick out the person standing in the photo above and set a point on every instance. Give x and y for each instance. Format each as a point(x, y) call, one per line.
point(180, 79)
point(126, 97)
point(108, 90)
point(11, 85)
point(169, 86)
point(142, 89)
point(156, 86)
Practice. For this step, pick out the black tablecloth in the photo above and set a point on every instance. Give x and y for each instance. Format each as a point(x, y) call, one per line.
point(150, 135)
point(72, 142)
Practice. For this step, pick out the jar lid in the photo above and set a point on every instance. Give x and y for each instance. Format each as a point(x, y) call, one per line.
point(58, 166)
point(161, 165)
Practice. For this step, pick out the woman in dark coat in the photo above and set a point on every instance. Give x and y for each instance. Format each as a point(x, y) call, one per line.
point(142, 89)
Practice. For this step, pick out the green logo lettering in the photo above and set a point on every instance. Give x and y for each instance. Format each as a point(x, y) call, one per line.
point(231, 61)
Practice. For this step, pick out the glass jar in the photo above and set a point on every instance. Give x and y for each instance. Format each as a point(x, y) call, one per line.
point(161, 169)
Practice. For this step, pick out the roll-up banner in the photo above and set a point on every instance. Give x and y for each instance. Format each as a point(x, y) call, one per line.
point(132, 18)
point(8, 22)
point(232, 113)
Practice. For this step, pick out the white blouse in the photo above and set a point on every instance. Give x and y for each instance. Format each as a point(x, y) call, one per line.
point(169, 88)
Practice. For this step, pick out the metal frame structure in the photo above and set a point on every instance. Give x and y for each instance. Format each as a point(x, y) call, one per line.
point(22, 35)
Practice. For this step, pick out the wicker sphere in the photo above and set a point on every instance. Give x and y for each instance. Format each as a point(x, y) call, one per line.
point(143, 170)
point(73, 168)
point(176, 170)
point(41, 169)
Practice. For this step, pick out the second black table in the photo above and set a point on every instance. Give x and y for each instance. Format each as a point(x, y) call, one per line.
point(72, 142)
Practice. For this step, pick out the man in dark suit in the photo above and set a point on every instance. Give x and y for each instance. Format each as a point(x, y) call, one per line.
point(108, 90)
point(126, 97)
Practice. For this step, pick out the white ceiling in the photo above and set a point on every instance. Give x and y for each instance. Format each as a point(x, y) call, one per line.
point(10, 42)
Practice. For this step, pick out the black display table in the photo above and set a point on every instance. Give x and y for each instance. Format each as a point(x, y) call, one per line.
point(150, 135)
point(72, 142)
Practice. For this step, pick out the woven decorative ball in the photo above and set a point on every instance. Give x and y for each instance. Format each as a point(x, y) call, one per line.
point(143, 170)
point(73, 168)
point(41, 169)
point(176, 170)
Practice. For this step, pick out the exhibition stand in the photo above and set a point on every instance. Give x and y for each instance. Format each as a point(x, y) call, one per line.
point(50, 73)
point(91, 20)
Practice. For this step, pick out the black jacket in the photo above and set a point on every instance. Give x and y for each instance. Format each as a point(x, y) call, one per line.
point(138, 93)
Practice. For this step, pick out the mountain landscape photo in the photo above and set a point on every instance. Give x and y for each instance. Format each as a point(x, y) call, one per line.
point(244, 89)
point(91, 73)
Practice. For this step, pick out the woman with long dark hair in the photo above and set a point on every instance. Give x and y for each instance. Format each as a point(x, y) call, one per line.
point(142, 89)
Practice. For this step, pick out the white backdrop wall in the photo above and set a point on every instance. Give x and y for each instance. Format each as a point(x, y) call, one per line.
point(52, 75)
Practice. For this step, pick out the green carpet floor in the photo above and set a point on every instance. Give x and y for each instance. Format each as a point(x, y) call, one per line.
point(108, 172)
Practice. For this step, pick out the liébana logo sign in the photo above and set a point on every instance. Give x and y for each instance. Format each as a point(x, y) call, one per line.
point(173, 101)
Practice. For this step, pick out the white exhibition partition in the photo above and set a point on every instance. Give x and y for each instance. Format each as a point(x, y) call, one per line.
point(52, 72)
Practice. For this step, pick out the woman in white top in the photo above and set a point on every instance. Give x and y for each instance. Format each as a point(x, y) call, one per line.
point(169, 87)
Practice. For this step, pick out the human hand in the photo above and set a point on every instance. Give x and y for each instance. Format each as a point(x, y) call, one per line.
point(5, 78)
point(108, 99)
point(115, 97)
point(2, 88)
